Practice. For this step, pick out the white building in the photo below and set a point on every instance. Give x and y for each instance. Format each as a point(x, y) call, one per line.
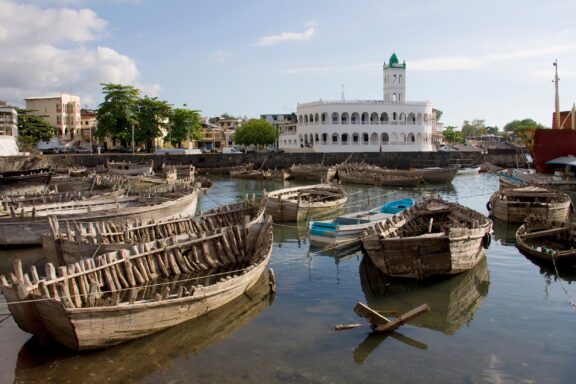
point(388, 125)
point(8, 130)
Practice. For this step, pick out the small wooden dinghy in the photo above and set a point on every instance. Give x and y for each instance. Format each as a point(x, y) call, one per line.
point(128, 294)
point(548, 241)
point(27, 225)
point(346, 230)
point(128, 168)
point(432, 175)
point(301, 203)
point(514, 205)
point(434, 237)
point(82, 240)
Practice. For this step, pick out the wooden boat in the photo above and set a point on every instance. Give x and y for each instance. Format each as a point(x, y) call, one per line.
point(82, 240)
point(372, 175)
point(468, 171)
point(13, 204)
point(251, 174)
point(127, 294)
point(221, 169)
point(278, 174)
point(29, 180)
point(434, 237)
point(127, 168)
point(548, 241)
point(346, 230)
point(37, 358)
point(316, 172)
point(301, 203)
point(78, 172)
point(27, 225)
point(432, 175)
point(514, 205)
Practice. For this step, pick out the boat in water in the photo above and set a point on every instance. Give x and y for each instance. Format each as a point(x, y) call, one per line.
point(434, 237)
point(346, 230)
point(128, 294)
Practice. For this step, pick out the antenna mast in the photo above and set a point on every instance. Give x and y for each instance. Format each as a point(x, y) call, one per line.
point(343, 93)
point(556, 97)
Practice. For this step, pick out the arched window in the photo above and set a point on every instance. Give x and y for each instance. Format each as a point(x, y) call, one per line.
point(324, 138)
point(402, 137)
point(316, 138)
point(300, 119)
point(374, 118)
point(425, 118)
point(384, 138)
point(335, 118)
point(334, 138)
point(355, 138)
point(393, 116)
point(374, 138)
point(394, 96)
point(324, 118)
point(399, 79)
point(394, 138)
point(419, 139)
point(411, 138)
point(419, 118)
point(402, 117)
point(344, 139)
point(306, 119)
point(395, 79)
point(355, 117)
point(344, 118)
point(384, 118)
point(365, 139)
point(311, 118)
point(411, 118)
point(364, 118)
point(316, 118)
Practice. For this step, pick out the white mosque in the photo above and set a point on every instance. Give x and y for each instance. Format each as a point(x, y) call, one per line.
point(388, 125)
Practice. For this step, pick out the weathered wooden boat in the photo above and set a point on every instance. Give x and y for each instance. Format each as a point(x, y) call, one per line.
point(82, 240)
point(221, 169)
point(346, 230)
point(78, 172)
point(28, 224)
point(128, 294)
point(432, 175)
point(37, 358)
point(25, 180)
point(178, 171)
point(373, 175)
point(12, 205)
point(468, 171)
point(127, 168)
point(316, 172)
point(205, 183)
point(514, 205)
point(251, 174)
point(301, 203)
point(549, 241)
point(278, 174)
point(434, 237)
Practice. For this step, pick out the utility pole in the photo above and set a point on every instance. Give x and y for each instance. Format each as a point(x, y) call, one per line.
point(132, 139)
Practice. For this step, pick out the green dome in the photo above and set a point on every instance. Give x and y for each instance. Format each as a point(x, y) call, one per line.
point(394, 59)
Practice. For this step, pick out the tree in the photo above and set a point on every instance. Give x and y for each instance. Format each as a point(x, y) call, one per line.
point(451, 135)
point(116, 115)
point(255, 131)
point(473, 128)
point(33, 128)
point(492, 130)
point(184, 125)
point(152, 115)
point(521, 124)
point(438, 113)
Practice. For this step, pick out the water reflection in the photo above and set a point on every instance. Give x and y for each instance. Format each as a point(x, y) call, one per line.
point(453, 300)
point(505, 233)
point(40, 361)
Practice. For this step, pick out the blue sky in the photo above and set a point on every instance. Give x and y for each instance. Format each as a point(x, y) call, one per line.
point(488, 60)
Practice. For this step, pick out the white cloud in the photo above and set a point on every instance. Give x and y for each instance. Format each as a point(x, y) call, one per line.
point(288, 36)
point(43, 53)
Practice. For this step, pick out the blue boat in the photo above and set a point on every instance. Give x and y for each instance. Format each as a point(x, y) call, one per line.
point(346, 230)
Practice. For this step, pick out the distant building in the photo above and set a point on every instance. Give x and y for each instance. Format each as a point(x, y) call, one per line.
point(284, 123)
point(389, 125)
point(88, 125)
point(62, 112)
point(8, 129)
point(228, 127)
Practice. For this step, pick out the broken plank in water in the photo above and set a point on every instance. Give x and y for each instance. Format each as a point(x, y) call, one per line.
point(341, 327)
point(373, 317)
point(403, 319)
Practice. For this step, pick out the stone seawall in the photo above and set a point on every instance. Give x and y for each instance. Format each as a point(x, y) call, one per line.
point(400, 160)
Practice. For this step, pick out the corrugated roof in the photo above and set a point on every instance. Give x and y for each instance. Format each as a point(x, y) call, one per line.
point(564, 160)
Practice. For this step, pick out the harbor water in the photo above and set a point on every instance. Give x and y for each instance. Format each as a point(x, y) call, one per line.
point(506, 321)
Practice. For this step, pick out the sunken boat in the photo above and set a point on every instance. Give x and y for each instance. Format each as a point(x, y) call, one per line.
point(128, 168)
point(315, 172)
point(552, 242)
point(25, 180)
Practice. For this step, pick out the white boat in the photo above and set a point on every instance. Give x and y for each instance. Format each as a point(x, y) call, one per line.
point(346, 230)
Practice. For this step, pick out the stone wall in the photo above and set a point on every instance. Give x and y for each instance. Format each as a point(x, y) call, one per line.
point(503, 158)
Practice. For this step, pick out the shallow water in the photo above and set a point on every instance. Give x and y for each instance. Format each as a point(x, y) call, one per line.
point(506, 321)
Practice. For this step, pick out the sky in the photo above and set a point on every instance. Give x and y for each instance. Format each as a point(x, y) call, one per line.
point(490, 60)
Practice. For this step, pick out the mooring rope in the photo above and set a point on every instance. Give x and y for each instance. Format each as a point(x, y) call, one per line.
point(572, 303)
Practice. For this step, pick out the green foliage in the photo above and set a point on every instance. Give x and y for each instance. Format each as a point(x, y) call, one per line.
point(492, 130)
point(472, 128)
point(32, 129)
point(184, 125)
point(227, 116)
point(451, 135)
point(116, 115)
point(438, 112)
point(152, 115)
point(515, 125)
point(255, 132)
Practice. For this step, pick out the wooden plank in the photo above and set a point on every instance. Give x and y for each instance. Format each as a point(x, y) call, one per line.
point(371, 315)
point(403, 319)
